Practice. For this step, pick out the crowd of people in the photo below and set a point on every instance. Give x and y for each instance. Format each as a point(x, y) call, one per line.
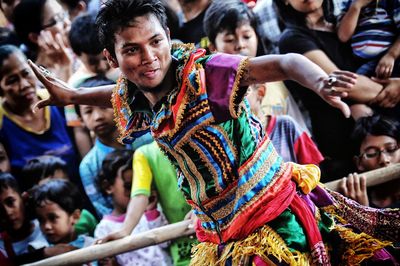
point(118, 116)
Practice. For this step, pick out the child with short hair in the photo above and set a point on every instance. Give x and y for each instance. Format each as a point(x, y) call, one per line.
point(58, 205)
point(100, 121)
point(115, 180)
point(21, 234)
point(44, 168)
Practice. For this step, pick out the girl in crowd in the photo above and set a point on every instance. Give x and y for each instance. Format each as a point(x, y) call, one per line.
point(115, 180)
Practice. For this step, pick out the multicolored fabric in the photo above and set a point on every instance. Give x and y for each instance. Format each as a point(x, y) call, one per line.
point(228, 169)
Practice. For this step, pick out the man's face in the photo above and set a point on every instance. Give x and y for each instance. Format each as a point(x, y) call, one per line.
point(143, 52)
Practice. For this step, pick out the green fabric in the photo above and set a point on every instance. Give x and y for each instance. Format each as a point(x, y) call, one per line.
point(289, 228)
point(173, 203)
point(86, 223)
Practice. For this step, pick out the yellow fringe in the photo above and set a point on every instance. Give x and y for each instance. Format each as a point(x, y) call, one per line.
point(263, 243)
point(359, 246)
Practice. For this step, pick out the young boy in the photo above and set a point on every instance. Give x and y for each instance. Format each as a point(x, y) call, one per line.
point(100, 121)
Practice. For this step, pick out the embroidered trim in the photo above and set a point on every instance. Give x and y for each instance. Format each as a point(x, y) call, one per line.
point(233, 99)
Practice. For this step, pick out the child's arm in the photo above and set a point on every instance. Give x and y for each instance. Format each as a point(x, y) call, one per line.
point(385, 65)
point(348, 23)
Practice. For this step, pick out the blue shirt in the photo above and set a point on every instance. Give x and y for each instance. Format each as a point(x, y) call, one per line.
point(89, 169)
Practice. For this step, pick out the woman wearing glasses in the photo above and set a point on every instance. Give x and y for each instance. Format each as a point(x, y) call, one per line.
point(376, 140)
point(43, 26)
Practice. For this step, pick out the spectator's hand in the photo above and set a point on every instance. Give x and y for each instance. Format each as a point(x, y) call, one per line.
point(192, 217)
point(355, 187)
point(54, 54)
point(389, 97)
point(60, 92)
point(153, 200)
point(385, 66)
point(111, 237)
point(337, 86)
point(57, 250)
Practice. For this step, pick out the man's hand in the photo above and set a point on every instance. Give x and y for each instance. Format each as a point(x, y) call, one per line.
point(60, 93)
point(337, 86)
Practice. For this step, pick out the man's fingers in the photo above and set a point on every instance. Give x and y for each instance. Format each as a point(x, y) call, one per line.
point(38, 72)
point(41, 104)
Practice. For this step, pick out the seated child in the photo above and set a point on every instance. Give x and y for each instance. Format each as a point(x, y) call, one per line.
point(47, 167)
point(373, 27)
point(58, 206)
point(21, 234)
point(115, 180)
point(100, 121)
point(376, 139)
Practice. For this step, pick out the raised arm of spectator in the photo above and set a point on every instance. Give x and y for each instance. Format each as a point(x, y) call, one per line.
point(61, 94)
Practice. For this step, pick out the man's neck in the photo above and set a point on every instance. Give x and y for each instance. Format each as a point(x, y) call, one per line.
point(167, 85)
point(192, 10)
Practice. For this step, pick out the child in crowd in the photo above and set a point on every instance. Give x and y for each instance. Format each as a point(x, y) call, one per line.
point(230, 27)
point(288, 138)
point(115, 180)
point(45, 168)
point(58, 205)
point(26, 134)
point(21, 235)
point(100, 121)
point(377, 141)
point(373, 27)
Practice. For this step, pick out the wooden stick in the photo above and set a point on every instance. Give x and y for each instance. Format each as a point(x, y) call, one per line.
point(374, 177)
point(172, 231)
point(95, 252)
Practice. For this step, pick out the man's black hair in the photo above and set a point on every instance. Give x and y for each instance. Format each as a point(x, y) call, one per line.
point(96, 81)
point(227, 15)
point(118, 14)
point(83, 35)
point(376, 125)
point(62, 192)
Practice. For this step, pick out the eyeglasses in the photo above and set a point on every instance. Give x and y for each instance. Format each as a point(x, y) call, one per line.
point(57, 18)
point(374, 153)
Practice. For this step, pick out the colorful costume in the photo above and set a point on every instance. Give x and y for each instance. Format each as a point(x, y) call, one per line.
point(245, 197)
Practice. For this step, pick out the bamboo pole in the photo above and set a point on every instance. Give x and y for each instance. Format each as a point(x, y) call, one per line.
point(133, 242)
point(172, 231)
point(374, 177)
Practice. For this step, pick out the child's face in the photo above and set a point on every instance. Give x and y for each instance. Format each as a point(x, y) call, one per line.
point(12, 210)
point(4, 160)
point(121, 189)
point(243, 41)
point(95, 63)
point(100, 120)
point(377, 152)
point(18, 83)
point(56, 224)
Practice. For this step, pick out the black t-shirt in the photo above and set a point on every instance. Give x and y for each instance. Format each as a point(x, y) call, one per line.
point(192, 31)
point(331, 130)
